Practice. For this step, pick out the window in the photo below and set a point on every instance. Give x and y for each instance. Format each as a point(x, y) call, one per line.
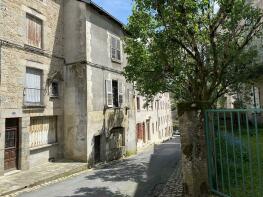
point(255, 96)
point(42, 131)
point(33, 87)
point(54, 89)
point(34, 31)
point(115, 49)
point(138, 103)
point(114, 93)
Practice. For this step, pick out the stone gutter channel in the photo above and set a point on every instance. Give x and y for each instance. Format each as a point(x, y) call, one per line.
point(173, 187)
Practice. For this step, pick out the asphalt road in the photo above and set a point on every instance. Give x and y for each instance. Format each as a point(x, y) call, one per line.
point(140, 176)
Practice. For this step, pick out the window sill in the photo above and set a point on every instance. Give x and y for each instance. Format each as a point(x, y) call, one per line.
point(116, 60)
point(54, 97)
point(29, 106)
point(43, 146)
point(33, 48)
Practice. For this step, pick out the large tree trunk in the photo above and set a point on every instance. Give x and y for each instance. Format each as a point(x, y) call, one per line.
point(194, 157)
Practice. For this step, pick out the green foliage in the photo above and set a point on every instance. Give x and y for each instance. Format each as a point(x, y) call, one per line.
point(196, 49)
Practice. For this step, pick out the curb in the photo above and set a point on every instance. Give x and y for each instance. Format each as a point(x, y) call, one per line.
point(64, 176)
point(43, 181)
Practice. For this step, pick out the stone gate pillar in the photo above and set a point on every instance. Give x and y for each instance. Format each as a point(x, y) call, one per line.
point(194, 157)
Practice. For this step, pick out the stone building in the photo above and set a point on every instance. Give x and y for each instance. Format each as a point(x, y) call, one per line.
point(99, 112)
point(31, 82)
point(62, 92)
point(153, 120)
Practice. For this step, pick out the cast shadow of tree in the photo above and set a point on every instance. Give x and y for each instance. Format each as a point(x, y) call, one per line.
point(96, 192)
point(150, 175)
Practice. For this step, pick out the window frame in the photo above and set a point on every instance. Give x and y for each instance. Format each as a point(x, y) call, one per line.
point(52, 95)
point(117, 48)
point(27, 87)
point(110, 94)
point(36, 20)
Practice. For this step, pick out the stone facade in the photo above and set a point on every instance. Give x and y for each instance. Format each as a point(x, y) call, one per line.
point(94, 128)
point(15, 57)
point(86, 120)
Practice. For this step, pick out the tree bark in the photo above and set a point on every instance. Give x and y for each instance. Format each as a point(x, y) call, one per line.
point(194, 155)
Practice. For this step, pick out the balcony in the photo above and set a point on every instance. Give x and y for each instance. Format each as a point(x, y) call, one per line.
point(33, 97)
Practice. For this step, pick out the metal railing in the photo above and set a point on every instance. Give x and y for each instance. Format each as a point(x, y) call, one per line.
point(235, 147)
point(34, 97)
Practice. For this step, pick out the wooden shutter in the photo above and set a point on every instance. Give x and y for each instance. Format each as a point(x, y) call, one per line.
point(34, 31)
point(118, 50)
point(109, 94)
point(120, 91)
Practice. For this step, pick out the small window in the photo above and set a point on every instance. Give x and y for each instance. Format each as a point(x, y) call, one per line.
point(54, 89)
point(115, 49)
point(138, 103)
point(34, 31)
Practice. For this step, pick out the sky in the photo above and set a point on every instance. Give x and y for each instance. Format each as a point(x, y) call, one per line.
point(120, 9)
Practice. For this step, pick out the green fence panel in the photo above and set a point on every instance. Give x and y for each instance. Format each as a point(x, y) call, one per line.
point(234, 146)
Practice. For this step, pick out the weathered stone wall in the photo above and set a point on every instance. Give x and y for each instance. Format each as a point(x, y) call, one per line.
point(14, 59)
point(75, 113)
point(88, 38)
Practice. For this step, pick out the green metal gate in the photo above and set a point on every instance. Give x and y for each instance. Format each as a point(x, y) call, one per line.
point(235, 152)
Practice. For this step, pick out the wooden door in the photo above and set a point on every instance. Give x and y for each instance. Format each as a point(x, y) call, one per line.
point(11, 144)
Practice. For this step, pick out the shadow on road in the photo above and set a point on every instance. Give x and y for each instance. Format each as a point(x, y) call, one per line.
point(149, 173)
point(96, 192)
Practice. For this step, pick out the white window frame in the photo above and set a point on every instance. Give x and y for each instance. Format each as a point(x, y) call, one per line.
point(30, 98)
point(115, 49)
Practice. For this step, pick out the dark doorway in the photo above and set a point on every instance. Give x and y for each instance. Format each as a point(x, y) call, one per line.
point(115, 93)
point(11, 143)
point(97, 148)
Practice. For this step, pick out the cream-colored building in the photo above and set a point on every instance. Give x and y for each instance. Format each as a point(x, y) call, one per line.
point(153, 121)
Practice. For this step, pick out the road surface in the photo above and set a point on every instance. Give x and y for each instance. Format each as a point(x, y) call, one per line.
point(139, 176)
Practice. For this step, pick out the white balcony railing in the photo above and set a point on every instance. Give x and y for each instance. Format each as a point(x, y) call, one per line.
point(33, 97)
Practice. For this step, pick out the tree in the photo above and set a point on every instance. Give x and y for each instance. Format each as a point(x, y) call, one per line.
point(199, 50)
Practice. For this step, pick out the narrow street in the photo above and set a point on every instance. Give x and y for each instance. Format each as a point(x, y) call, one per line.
point(142, 175)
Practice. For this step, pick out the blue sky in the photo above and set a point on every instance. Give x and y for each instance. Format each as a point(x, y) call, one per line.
point(120, 9)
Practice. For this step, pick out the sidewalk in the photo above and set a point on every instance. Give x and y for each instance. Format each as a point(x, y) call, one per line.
point(38, 175)
point(173, 187)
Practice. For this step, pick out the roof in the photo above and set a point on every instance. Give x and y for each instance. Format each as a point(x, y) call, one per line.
point(103, 11)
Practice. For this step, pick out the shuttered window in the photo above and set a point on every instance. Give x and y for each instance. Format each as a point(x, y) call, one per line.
point(109, 94)
point(121, 91)
point(34, 31)
point(43, 131)
point(115, 49)
point(114, 93)
point(33, 86)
